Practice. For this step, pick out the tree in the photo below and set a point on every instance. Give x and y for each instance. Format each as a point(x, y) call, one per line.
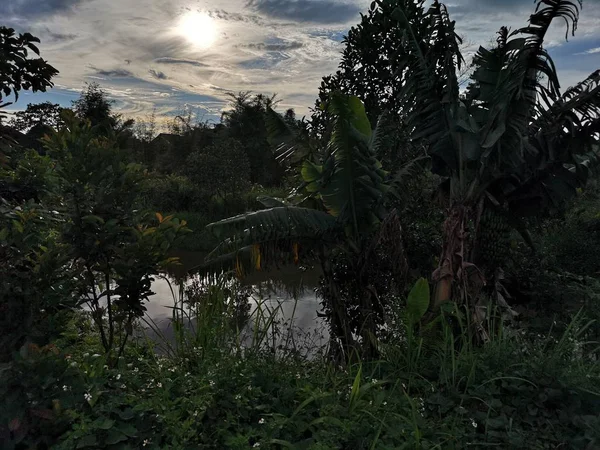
point(220, 169)
point(18, 71)
point(38, 115)
point(512, 144)
point(246, 122)
point(93, 105)
point(340, 219)
point(115, 249)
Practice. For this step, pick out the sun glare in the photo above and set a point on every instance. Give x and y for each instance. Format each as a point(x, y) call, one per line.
point(199, 28)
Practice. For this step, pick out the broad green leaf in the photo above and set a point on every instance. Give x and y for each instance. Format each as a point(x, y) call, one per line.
point(360, 119)
point(87, 441)
point(418, 300)
point(115, 436)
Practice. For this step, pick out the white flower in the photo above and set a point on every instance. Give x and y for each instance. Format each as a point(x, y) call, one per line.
point(68, 357)
point(159, 384)
point(74, 364)
point(140, 359)
point(256, 445)
point(172, 370)
point(371, 402)
point(87, 396)
point(298, 376)
point(65, 388)
point(96, 355)
point(187, 374)
point(261, 421)
point(146, 442)
point(195, 414)
point(118, 377)
point(123, 386)
point(212, 383)
point(238, 397)
point(473, 423)
point(374, 381)
point(136, 370)
point(384, 403)
point(105, 367)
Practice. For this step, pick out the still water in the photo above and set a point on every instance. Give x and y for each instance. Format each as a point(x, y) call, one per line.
point(289, 290)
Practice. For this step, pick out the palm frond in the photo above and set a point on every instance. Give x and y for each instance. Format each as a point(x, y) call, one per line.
point(270, 226)
point(291, 145)
point(428, 72)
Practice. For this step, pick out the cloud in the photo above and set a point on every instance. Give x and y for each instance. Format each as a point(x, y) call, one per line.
point(591, 51)
point(327, 11)
point(158, 74)
point(280, 47)
point(191, 62)
point(35, 8)
point(111, 73)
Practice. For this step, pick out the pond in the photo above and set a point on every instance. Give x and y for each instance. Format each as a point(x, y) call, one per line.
point(289, 290)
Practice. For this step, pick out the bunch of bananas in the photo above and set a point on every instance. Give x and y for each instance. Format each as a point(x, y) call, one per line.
point(493, 238)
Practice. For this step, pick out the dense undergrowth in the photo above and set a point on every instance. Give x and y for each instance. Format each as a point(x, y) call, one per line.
point(517, 391)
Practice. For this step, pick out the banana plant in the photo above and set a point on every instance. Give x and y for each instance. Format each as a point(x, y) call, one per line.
point(338, 210)
point(511, 143)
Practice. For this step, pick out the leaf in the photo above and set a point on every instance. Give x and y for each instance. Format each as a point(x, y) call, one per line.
point(106, 424)
point(87, 441)
point(418, 300)
point(114, 437)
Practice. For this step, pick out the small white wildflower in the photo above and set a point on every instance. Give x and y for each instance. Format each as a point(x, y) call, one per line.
point(238, 397)
point(261, 421)
point(212, 383)
point(87, 396)
point(96, 355)
point(172, 370)
point(473, 423)
point(187, 374)
point(339, 392)
point(118, 377)
point(65, 388)
point(74, 364)
point(159, 384)
point(123, 386)
point(371, 402)
point(130, 365)
point(146, 442)
point(374, 381)
point(384, 403)
point(140, 359)
point(403, 386)
point(256, 445)
point(298, 376)
point(249, 388)
point(136, 370)
point(68, 357)
point(195, 414)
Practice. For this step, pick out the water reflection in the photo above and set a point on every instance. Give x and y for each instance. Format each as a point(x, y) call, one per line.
point(289, 290)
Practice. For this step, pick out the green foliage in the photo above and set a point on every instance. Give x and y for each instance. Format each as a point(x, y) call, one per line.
point(17, 70)
point(116, 250)
point(417, 302)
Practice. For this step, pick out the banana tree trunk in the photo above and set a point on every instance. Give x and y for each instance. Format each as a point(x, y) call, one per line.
point(448, 276)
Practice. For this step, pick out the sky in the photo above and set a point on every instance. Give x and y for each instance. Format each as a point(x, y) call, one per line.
point(176, 54)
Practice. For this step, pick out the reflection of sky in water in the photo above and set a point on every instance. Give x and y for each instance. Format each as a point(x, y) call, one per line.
point(288, 290)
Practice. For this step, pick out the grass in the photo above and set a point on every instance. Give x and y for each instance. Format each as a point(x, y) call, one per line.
point(517, 391)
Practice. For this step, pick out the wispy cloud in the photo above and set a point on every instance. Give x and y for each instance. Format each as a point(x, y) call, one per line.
point(591, 51)
point(324, 11)
point(136, 51)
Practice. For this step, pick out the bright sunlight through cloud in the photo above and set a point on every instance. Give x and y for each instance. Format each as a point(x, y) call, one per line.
point(198, 28)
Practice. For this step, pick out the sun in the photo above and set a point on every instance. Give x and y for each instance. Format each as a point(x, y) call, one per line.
point(198, 28)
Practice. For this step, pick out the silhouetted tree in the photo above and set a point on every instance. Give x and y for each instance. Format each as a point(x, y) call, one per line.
point(40, 114)
point(18, 71)
point(246, 122)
